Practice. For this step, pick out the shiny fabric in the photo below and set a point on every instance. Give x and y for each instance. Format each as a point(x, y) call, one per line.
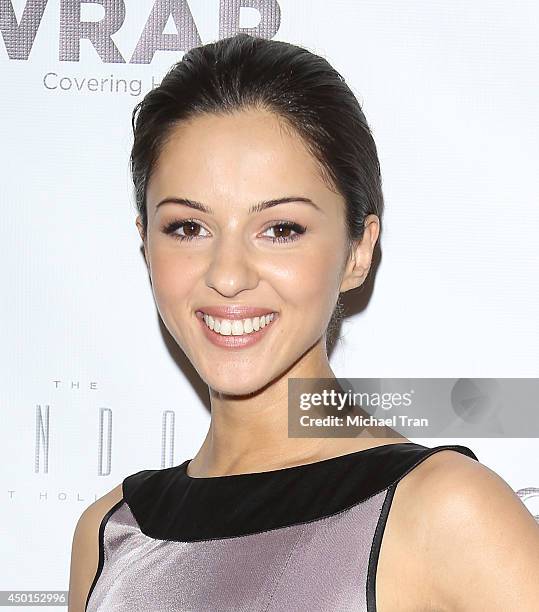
point(321, 564)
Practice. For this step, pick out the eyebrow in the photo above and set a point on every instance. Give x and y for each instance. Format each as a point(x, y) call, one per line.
point(255, 208)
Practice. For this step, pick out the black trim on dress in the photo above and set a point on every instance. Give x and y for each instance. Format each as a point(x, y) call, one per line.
point(375, 549)
point(168, 504)
point(101, 536)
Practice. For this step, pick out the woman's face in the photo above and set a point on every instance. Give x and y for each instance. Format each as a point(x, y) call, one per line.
point(233, 257)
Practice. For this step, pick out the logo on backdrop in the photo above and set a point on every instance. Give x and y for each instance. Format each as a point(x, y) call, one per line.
point(19, 36)
point(170, 26)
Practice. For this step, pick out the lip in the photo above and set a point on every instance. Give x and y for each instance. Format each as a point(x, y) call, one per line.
point(235, 342)
point(234, 312)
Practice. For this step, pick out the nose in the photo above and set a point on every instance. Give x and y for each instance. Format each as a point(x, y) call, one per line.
point(231, 268)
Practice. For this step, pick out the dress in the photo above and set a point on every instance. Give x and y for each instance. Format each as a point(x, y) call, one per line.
point(297, 539)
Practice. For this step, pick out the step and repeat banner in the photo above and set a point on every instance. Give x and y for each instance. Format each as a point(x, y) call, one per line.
point(93, 388)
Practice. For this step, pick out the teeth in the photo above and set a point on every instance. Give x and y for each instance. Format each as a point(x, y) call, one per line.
point(238, 327)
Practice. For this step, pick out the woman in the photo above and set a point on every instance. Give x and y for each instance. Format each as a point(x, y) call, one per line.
point(259, 197)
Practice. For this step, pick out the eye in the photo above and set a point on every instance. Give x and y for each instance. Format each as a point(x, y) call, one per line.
point(284, 228)
point(191, 229)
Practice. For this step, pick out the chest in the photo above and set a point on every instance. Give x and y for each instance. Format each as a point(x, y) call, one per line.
point(326, 565)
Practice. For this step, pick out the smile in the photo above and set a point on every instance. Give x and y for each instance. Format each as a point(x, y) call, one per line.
point(236, 333)
point(238, 327)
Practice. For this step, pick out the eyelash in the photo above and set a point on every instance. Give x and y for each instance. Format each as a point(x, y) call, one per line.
point(171, 227)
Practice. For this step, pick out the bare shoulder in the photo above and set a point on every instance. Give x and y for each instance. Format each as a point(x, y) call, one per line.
point(85, 548)
point(405, 536)
point(476, 545)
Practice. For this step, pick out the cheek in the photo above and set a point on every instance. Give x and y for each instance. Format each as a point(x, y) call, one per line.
point(311, 282)
point(172, 277)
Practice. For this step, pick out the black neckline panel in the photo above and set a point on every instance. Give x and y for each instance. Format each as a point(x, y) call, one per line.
point(168, 504)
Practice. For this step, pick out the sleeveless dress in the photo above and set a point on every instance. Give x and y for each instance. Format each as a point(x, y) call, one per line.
point(296, 539)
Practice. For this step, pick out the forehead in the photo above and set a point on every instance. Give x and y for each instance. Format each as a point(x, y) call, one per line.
point(238, 158)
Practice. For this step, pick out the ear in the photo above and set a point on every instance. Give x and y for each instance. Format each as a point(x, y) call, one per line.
point(142, 234)
point(360, 258)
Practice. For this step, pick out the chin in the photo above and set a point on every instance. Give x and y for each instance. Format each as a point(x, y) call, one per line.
point(234, 382)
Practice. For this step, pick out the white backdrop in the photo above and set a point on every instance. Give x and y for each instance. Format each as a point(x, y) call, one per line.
point(451, 93)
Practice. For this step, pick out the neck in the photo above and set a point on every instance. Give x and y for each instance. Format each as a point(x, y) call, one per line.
point(250, 433)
